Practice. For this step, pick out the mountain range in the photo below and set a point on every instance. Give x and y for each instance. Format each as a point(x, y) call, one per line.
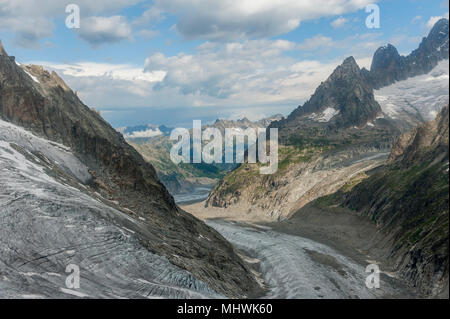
point(184, 178)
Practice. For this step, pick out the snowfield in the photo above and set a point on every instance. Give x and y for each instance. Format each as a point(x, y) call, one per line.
point(325, 116)
point(416, 99)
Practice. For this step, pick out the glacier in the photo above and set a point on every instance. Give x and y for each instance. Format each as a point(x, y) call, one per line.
point(50, 220)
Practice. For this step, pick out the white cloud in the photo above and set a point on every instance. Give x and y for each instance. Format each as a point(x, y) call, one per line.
point(250, 73)
point(100, 84)
point(357, 45)
point(244, 19)
point(339, 22)
point(431, 22)
point(316, 42)
point(124, 72)
point(144, 134)
point(253, 73)
point(152, 15)
point(32, 20)
point(100, 30)
point(416, 19)
point(230, 74)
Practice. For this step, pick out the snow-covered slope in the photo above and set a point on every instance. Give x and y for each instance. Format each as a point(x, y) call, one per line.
point(325, 116)
point(417, 99)
point(50, 220)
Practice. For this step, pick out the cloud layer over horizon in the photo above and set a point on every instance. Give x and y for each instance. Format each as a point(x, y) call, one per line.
point(259, 54)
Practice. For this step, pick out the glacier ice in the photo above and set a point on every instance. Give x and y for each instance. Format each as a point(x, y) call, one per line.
point(47, 225)
point(416, 99)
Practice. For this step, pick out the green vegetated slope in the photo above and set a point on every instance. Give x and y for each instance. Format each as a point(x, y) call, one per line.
point(408, 198)
point(183, 177)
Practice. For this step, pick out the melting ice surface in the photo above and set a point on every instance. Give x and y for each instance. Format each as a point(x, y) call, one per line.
point(197, 195)
point(296, 267)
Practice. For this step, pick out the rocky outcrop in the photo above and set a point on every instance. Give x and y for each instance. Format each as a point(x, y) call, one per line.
point(40, 101)
point(387, 67)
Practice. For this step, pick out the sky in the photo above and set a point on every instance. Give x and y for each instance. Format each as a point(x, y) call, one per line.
point(172, 61)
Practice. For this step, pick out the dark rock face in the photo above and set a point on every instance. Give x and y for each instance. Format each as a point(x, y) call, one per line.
point(346, 91)
point(49, 108)
point(409, 200)
point(431, 136)
point(388, 66)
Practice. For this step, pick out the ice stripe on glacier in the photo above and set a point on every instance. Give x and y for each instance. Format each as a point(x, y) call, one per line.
point(58, 153)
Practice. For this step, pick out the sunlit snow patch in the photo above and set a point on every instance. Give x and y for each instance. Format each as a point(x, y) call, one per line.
point(325, 116)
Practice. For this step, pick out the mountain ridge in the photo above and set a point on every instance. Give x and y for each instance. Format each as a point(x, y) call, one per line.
point(389, 67)
point(349, 90)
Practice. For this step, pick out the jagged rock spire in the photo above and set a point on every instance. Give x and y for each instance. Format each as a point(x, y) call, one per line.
point(2, 51)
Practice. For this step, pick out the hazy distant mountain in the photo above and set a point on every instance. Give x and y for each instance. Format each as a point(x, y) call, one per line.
point(142, 132)
point(185, 178)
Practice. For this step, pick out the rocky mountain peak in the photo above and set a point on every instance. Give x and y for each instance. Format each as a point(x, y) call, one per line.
point(384, 57)
point(351, 63)
point(428, 137)
point(346, 96)
point(439, 33)
point(348, 69)
point(387, 66)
